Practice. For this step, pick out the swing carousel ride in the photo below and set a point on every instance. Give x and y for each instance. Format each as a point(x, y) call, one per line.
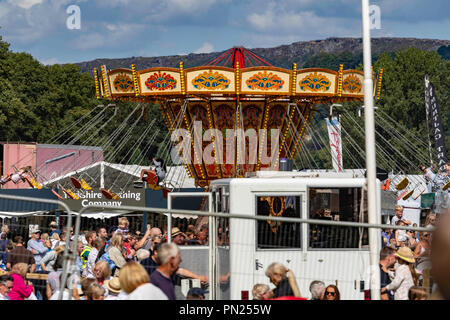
point(238, 90)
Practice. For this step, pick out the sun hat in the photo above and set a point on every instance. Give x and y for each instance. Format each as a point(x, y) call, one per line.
point(113, 285)
point(142, 254)
point(176, 231)
point(406, 254)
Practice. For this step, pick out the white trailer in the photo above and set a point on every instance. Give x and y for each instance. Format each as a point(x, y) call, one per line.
point(335, 255)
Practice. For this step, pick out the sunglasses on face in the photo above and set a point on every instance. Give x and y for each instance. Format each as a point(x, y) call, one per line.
point(330, 293)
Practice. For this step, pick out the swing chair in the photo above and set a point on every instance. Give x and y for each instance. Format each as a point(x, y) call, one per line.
point(411, 192)
point(408, 195)
point(152, 180)
point(26, 175)
point(446, 186)
point(402, 184)
point(402, 194)
point(109, 194)
point(80, 183)
point(71, 194)
point(386, 185)
point(32, 182)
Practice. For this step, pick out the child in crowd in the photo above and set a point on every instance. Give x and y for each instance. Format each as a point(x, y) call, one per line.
point(401, 237)
point(123, 229)
point(95, 292)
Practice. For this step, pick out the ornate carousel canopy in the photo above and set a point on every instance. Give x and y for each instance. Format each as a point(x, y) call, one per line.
point(236, 90)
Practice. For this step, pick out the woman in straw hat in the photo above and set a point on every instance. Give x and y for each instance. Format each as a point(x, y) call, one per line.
point(115, 291)
point(405, 274)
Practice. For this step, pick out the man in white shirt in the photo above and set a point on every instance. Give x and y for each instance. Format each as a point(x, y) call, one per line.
point(37, 248)
point(399, 216)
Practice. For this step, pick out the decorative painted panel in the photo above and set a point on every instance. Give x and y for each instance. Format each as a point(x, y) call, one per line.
point(353, 82)
point(159, 81)
point(316, 82)
point(210, 80)
point(121, 82)
point(265, 81)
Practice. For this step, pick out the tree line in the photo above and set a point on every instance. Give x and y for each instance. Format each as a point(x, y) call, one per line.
point(38, 101)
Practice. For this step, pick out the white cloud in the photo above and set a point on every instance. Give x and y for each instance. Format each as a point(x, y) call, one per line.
point(108, 35)
point(26, 4)
point(157, 11)
point(281, 22)
point(27, 21)
point(50, 61)
point(205, 48)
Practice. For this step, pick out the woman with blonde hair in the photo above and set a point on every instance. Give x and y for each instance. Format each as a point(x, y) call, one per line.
point(48, 261)
point(102, 272)
point(283, 279)
point(21, 289)
point(95, 292)
point(55, 240)
point(116, 252)
point(405, 274)
point(261, 291)
point(423, 251)
point(430, 220)
point(135, 281)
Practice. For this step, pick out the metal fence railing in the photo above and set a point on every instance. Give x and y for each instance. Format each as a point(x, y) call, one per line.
point(335, 252)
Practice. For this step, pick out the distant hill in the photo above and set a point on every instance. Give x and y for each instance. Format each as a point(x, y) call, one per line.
point(304, 53)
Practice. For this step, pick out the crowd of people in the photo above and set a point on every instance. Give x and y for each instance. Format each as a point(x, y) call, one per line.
point(118, 265)
point(405, 268)
point(405, 259)
point(121, 264)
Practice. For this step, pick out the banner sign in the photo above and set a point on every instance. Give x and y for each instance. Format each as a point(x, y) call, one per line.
point(131, 197)
point(334, 135)
point(432, 108)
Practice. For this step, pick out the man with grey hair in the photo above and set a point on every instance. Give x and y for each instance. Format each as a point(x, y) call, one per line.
point(317, 289)
point(169, 257)
point(6, 284)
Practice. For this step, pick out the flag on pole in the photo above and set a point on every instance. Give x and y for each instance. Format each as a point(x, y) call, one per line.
point(334, 135)
point(432, 108)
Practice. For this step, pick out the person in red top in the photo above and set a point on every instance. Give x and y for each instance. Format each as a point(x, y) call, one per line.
point(20, 289)
point(129, 245)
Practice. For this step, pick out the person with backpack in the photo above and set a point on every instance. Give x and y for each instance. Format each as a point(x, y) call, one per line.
point(115, 253)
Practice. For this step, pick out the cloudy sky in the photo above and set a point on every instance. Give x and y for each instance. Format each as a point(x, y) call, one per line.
point(125, 28)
